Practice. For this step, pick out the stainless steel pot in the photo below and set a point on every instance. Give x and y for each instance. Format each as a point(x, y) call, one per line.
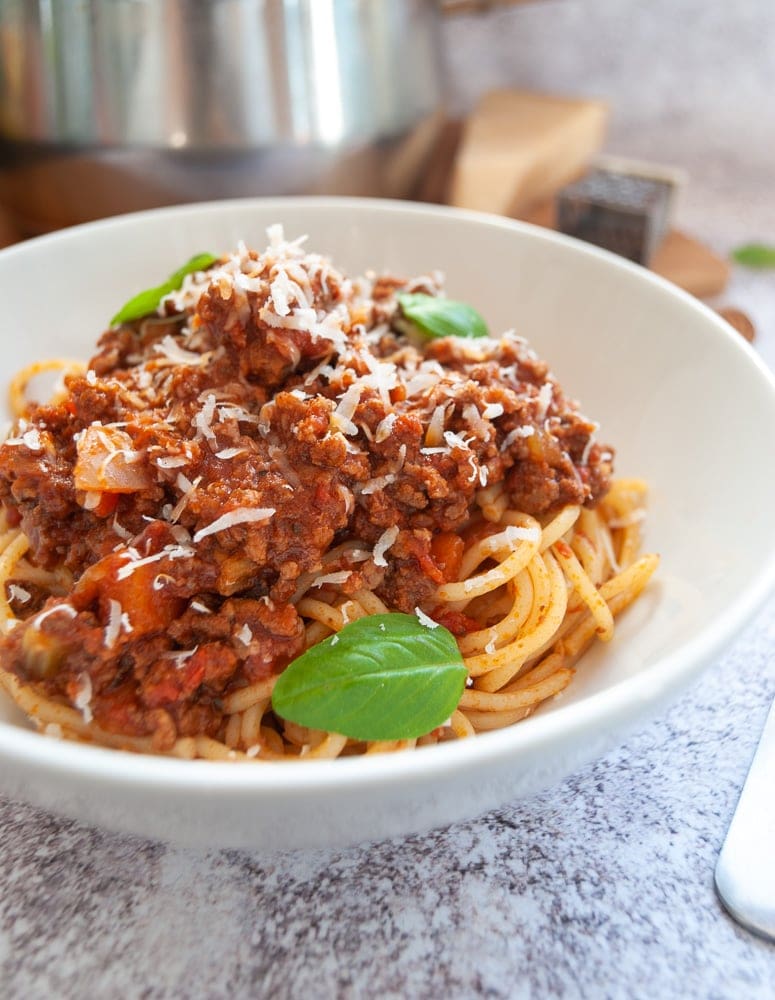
point(112, 105)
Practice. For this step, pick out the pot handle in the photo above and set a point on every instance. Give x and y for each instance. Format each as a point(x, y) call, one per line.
point(476, 6)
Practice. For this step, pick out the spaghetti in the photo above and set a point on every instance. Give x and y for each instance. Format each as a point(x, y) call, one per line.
point(269, 458)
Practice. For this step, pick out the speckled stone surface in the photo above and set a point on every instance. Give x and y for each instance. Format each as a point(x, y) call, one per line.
point(599, 887)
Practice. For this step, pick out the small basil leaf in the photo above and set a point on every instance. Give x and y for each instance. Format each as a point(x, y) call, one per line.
point(199, 262)
point(437, 317)
point(147, 301)
point(141, 304)
point(383, 677)
point(756, 255)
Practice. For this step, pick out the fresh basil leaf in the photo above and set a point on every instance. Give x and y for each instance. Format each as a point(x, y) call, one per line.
point(383, 677)
point(199, 262)
point(757, 255)
point(147, 301)
point(141, 304)
point(437, 317)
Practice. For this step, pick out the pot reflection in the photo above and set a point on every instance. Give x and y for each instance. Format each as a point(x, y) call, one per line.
point(121, 104)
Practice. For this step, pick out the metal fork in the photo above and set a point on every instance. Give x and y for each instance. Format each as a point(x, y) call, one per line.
point(745, 872)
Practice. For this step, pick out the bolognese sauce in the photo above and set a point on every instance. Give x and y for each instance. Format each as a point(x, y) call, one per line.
point(270, 433)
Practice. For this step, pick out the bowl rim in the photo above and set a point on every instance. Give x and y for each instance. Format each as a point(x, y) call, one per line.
point(659, 678)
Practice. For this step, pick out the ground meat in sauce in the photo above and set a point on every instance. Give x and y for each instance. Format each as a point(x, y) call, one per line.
point(271, 383)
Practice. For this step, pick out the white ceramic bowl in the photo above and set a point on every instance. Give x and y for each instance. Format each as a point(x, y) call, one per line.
point(684, 400)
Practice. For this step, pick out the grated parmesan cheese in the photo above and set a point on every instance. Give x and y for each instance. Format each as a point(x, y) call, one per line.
point(83, 697)
point(324, 369)
point(120, 530)
point(230, 411)
point(240, 515)
point(245, 635)
point(180, 657)
point(456, 440)
point(480, 427)
point(345, 610)
point(384, 428)
point(545, 395)
point(281, 291)
point(172, 350)
point(342, 416)
point(376, 484)
point(31, 439)
point(66, 609)
point(525, 431)
point(425, 620)
point(203, 419)
point(113, 627)
point(187, 488)
point(384, 542)
point(183, 483)
point(168, 552)
point(276, 235)
point(180, 534)
point(588, 446)
point(17, 593)
point(341, 576)
point(421, 382)
point(434, 435)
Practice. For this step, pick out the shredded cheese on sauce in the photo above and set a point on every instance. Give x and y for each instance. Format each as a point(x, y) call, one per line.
point(339, 577)
point(171, 349)
point(18, 593)
point(168, 552)
point(425, 620)
point(83, 697)
point(65, 609)
point(240, 515)
point(384, 542)
point(245, 635)
point(113, 627)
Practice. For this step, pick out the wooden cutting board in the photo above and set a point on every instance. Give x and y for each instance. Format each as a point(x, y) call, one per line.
point(690, 265)
point(680, 258)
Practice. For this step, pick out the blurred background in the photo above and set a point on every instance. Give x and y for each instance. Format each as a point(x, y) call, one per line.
point(109, 106)
point(688, 82)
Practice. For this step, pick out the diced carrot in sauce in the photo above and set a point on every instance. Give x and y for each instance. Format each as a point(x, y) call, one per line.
point(106, 506)
point(148, 609)
point(447, 550)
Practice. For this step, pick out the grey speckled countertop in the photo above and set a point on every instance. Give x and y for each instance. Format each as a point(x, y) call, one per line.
point(599, 887)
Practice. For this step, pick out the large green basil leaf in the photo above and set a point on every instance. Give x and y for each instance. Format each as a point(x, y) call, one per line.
point(438, 317)
point(383, 677)
point(147, 301)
